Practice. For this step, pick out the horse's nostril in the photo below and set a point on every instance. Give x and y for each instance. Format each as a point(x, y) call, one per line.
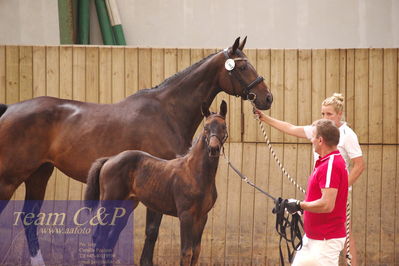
point(269, 98)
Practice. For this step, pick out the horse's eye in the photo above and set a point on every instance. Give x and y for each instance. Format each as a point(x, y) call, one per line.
point(242, 68)
point(206, 128)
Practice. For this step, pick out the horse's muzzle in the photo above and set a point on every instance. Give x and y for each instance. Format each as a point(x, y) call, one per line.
point(214, 146)
point(263, 103)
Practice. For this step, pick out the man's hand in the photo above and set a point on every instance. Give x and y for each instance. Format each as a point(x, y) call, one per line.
point(293, 206)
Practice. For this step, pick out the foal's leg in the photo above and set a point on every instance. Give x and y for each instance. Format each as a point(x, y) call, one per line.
point(101, 237)
point(153, 221)
point(34, 195)
point(198, 229)
point(103, 248)
point(120, 223)
point(186, 238)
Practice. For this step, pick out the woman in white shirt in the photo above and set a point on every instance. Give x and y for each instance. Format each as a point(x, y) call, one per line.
point(332, 109)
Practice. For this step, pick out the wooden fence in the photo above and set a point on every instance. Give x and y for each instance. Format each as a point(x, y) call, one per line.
point(240, 228)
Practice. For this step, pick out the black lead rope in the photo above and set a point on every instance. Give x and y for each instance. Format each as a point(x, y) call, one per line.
point(284, 220)
point(244, 178)
point(295, 225)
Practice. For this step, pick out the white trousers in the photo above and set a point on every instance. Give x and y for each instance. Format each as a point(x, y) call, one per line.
point(319, 252)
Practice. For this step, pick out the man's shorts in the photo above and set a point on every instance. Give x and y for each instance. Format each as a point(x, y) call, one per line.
point(319, 252)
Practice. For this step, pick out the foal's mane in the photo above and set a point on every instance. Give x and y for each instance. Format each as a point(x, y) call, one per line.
point(193, 143)
point(176, 76)
point(197, 138)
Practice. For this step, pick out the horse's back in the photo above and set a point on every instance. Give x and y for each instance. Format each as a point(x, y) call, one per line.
point(31, 110)
point(27, 131)
point(72, 134)
point(35, 118)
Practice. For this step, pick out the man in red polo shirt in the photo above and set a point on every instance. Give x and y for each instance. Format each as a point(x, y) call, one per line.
point(325, 201)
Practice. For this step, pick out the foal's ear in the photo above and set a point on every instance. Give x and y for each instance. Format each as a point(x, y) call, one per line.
point(242, 44)
point(204, 110)
point(223, 109)
point(235, 45)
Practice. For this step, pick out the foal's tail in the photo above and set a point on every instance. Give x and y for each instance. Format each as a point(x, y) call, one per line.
point(92, 194)
point(3, 108)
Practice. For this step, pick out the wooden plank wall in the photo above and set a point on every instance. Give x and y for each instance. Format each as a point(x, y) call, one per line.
point(240, 228)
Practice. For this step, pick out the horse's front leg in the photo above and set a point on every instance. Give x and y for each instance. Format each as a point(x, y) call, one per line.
point(153, 221)
point(198, 229)
point(34, 195)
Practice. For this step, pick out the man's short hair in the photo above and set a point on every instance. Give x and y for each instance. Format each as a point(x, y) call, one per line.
point(328, 131)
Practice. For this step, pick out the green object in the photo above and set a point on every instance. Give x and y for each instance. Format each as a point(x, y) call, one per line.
point(105, 25)
point(115, 20)
point(84, 22)
point(119, 36)
point(66, 22)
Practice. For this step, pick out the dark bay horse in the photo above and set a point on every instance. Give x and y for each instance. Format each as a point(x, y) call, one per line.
point(42, 133)
point(183, 187)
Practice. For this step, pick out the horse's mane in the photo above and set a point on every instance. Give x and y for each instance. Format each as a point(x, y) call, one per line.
point(176, 76)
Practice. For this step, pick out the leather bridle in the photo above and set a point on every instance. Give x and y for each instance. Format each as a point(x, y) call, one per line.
point(248, 95)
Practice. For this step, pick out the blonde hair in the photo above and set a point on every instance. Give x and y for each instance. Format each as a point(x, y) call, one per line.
point(336, 100)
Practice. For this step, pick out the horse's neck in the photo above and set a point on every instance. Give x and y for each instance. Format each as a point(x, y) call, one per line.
point(200, 161)
point(184, 94)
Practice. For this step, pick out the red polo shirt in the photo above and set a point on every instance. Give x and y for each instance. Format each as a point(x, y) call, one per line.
point(329, 172)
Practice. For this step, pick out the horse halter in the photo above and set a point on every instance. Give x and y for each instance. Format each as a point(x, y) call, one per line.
point(221, 141)
point(230, 67)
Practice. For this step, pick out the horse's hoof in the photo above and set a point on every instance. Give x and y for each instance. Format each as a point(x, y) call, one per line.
point(37, 260)
point(146, 263)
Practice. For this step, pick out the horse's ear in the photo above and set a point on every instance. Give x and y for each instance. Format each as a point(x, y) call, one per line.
point(204, 110)
point(235, 45)
point(223, 109)
point(242, 44)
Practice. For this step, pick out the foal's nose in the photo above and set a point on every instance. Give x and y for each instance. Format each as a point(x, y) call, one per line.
point(214, 146)
point(214, 142)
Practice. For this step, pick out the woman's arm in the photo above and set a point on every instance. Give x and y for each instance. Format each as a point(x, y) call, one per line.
point(297, 131)
point(357, 169)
